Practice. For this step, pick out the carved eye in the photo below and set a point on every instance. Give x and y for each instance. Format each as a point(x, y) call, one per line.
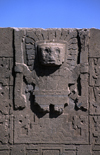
point(47, 50)
point(57, 50)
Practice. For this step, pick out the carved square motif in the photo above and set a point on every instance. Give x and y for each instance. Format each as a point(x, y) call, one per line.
point(51, 53)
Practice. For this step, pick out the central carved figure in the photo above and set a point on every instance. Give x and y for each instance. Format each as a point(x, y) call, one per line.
point(50, 82)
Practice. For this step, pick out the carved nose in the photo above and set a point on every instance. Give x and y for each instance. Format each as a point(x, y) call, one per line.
point(52, 57)
point(58, 109)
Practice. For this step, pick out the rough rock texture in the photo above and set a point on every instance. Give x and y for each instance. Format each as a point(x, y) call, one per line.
point(49, 91)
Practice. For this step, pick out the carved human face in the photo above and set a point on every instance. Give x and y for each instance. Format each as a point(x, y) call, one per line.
point(51, 54)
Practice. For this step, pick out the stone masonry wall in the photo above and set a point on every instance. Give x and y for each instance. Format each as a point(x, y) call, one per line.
point(49, 91)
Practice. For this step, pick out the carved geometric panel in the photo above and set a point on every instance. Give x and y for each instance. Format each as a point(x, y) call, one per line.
point(69, 150)
point(84, 150)
point(4, 97)
point(64, 129)
point(53, 151)
point(96, 150)
point(94, 100)
point(4, 150)
point(94, 64)
point(95, 129)
point(32, 152)
point(6, 66)
point(94, 82)
point(69, 153)
point(4, 128)
point(18, 150)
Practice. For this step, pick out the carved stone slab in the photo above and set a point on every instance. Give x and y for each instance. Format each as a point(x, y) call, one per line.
point(51, 83)
point(49, 91)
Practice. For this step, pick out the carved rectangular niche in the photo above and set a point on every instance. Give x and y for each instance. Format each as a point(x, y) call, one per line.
point(51, 86)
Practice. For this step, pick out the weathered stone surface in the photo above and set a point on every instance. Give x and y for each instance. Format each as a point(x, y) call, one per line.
point(4, 128)
point(84, 150)
point(94, 43)
point(6, 42)
point(49, 91)
point(96, 149)
point(6, 66)
point(18, 150)
point(4, 150)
